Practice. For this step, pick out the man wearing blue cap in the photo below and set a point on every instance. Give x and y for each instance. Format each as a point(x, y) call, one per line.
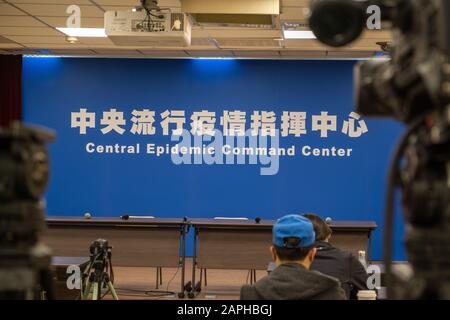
point(293, 252)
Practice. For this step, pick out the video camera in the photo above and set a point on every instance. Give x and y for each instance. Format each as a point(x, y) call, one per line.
point(24, 173)
point(100, 255)
point(99, 273)
point(413, 87)
point(99, 247)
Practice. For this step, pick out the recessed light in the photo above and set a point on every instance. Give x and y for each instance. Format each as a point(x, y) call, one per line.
point(72, 40)
point(84, 32)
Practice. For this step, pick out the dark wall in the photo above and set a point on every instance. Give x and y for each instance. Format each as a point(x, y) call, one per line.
point(10, 89)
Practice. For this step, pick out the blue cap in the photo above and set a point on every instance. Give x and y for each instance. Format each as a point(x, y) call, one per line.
point(293, 226)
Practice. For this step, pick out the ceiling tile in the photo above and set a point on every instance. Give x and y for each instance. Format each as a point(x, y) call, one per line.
point(377, 34)
point(294, 14)
point(133, 3)
point(303, 54)
point(210, 53)
point(117, 8)
point(244, 33)
point(19, 21)
point(56, 10)
point(117, 52)
point(130, 3)
point(38, 39)
point(97, 41)
point(9, 10)
point(28, 31)
point(256, 53)
point(294, 3)
point(248, 43)
point(205, 42)
point(5, 40)
point(10, 45)
point(68, 2)
point(53, 46)
point(123, 6)
point(164, 53)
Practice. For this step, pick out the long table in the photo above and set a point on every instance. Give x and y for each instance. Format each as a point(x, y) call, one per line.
point(244, 244)
point(136, 242)
point(218, 244)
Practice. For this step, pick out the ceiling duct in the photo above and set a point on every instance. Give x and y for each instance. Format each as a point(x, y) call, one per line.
point(5, 40)
point(233, 13)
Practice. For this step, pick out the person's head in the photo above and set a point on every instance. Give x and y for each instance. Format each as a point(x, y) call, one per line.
point(321, 228)
point(293, 240)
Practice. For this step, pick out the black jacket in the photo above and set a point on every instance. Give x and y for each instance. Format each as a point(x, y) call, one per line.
point(342, 265)
point(293, 281)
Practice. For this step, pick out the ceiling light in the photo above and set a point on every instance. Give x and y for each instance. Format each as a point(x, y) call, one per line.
point(298, 34)
point(84, 32)
point(72, 40)
point(137, 9)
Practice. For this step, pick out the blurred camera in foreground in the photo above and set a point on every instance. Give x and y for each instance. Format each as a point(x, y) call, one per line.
point(415, 79)
point(413, 86)
point(24, 173)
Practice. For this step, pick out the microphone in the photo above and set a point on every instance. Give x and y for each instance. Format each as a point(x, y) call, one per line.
point(127, 217)
point(87, 215)
point(257, 219)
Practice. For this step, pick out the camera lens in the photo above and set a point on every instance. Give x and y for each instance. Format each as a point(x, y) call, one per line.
point(371, 94)
point(336, 22)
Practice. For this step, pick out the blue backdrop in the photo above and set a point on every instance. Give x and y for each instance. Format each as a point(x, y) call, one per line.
point(347, 188)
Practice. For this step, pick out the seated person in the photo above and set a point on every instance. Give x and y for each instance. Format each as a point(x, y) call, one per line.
point(293, 251)
point(337, 263)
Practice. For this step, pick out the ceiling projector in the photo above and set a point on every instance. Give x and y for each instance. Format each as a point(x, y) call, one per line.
point(148, 28)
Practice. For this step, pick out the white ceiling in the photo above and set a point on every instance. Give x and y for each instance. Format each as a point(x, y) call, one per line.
point(28, 26)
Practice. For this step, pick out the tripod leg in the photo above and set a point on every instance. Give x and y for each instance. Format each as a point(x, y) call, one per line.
point(113, 291)
point(87, 290)
point(95, 294)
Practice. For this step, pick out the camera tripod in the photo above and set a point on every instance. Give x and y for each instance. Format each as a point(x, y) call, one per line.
point(99, 274)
